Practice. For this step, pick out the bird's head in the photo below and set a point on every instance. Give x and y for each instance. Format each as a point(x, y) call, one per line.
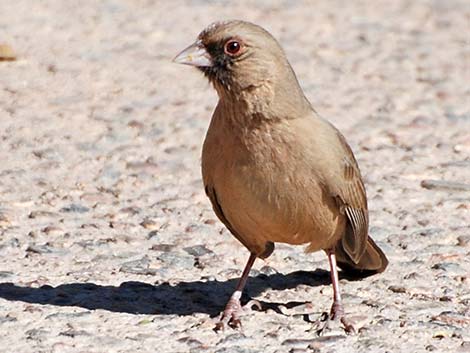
point(236, 56)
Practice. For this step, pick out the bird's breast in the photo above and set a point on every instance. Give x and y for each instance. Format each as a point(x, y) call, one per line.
point(267, 190)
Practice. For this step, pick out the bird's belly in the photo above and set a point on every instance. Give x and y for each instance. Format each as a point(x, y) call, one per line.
point(274, 207)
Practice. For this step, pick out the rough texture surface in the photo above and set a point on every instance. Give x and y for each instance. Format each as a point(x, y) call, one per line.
point(107, 241)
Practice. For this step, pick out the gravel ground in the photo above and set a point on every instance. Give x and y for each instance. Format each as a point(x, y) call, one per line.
point(107, 241)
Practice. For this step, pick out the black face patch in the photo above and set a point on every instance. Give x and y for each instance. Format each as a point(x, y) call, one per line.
point(221, 71)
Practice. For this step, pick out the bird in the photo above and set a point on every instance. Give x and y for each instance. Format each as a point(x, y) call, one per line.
point(275, 171)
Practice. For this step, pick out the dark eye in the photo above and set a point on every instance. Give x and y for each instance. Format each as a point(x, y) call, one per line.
point(232, 47)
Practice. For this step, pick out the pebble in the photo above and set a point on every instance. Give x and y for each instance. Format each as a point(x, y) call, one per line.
point(162, 247)
point(138, 267)
point(452, 318)
point(152, 234)
point(6, 53)
point(174, 259)
point(96, 198)
point(150, 224)
point(40, 249)
point(130, 211)
point(75, 208)
point(268, 270)
point(463, 240)
point(35, 334)
point(450, 267)
point(4, 221)
point(42, 214)
point(445, 185)
point(198, 250)
point(297, 343)
point(73, 333)
point(143, 167)
point(53, 230)
point(6, 274)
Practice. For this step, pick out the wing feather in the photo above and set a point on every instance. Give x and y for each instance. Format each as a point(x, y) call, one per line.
point(348, 189)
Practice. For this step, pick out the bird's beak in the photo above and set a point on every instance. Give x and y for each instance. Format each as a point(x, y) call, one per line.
point(194, 55)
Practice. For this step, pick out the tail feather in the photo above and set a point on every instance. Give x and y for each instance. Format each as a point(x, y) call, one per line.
point(371, 262)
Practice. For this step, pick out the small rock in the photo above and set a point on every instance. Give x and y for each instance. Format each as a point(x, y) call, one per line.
point(449, 267)
point(36, 334)
point(198, 250)
point(14, 242)
point(152, 234)
point(135, 124)
point(72, 333)
point(39, 249)
point(74, 208)
point(6, 53)
point(4, 221)
point(33, 234)
point(98, 198)
point(130, 211)
point(144, 167)
point(138, 267)
point(268, 270)
point(162, 247)
point(428, 232)
point(173, 259)
point(235, 349)
point(230, 272)
point(74, 315)
point(233, 338)
point(90, 225)
point(52, 230)
point(41, 214)
point(454, 117)
point(445, 185)
point(7, 318)
point(191, 342)
point(452, 318)
point(5, 274)
point(150, 224)
point(397, 289)
point(463, 240)
point(297, 342)
point(144, 322)
point(465, 346)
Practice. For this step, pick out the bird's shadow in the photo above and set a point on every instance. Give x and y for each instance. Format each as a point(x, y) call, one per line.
point(183, 298)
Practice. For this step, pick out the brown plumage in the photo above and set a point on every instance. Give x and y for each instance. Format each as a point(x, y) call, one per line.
point(274, 170)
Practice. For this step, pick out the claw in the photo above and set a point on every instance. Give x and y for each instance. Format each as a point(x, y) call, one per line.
point(336, 315)
point(233, 310)
point(348, 327)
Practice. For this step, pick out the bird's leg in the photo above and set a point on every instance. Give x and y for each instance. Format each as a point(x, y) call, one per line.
point(233, 310)
point(337, 309)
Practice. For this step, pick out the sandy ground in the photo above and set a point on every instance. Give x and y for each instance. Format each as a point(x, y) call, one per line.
point(107, 241)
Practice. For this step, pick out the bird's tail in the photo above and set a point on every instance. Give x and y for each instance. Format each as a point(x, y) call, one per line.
point(373, 261)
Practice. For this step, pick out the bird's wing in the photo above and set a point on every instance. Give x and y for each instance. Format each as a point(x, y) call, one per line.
point(210, 192)
point(348, 190)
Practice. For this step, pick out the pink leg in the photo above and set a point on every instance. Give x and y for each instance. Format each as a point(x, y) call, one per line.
point(337, 309)
point(233, 310)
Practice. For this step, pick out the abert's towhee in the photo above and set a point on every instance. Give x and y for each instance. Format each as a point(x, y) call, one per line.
point(274, 170)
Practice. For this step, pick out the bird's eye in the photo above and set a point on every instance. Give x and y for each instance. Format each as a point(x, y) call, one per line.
point(232, 47)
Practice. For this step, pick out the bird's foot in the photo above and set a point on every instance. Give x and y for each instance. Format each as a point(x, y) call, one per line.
point(328, 321)
point(233, 311)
